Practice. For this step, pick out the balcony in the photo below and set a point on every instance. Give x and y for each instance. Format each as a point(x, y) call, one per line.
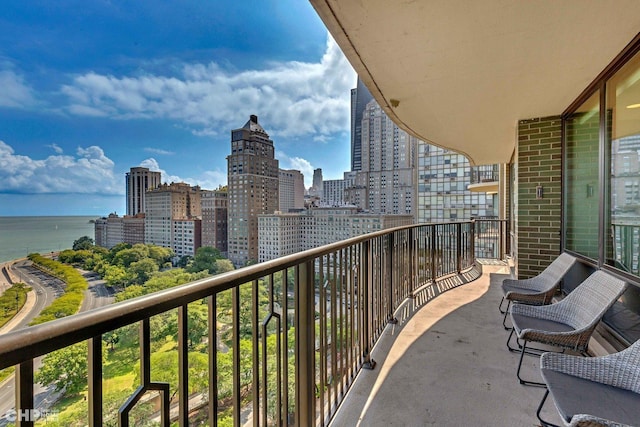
point(484, 179)
point(302, 329)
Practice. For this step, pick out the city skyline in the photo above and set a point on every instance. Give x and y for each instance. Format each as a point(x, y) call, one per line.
point(91, 94)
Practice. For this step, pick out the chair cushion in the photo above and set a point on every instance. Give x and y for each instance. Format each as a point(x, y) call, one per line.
point(573, 396)
point(521, 322)
point(507, 287)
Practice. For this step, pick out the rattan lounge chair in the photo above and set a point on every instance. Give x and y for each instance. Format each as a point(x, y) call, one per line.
point(537, 290)
point(594, 391)
point(569, 323)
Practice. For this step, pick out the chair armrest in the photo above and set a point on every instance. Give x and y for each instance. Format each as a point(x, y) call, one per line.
point(584, 420)
point(617, 370)
point(547, 312)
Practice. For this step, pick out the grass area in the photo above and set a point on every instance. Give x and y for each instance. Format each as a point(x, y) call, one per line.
point(9, 306)
point(6, 373)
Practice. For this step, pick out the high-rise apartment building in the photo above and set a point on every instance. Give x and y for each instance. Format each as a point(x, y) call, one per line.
point(169, 203)
point(214, 218)
point(360, 97)
point(384, 184)
point(114, 229)
point(291, 190)
point(333, 192)
point(138, 181)
point(253, 177)
point(443, 179)
point(283, 234)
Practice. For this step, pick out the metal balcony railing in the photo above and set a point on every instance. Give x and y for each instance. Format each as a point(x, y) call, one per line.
point(302, 327)
point(480, 174)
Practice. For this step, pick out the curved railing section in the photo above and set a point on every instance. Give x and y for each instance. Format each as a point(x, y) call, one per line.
point(283, 340)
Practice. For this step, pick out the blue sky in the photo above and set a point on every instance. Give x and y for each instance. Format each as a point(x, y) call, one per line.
point(92, 88)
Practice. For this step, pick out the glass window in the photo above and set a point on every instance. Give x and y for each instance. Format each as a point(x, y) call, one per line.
point(623, 134)
point(581, 169)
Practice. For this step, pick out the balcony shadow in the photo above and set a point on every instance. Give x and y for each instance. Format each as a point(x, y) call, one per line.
point(447, 364)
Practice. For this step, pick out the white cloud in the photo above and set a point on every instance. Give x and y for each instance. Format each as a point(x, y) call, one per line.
point(89, 171)
point(14, 93)
point(209, 180)
point(297, 163)
point(158, 151)
point(56, 148)
point(292, 99)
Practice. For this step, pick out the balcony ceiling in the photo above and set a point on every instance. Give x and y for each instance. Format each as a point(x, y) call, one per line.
point(464, 72)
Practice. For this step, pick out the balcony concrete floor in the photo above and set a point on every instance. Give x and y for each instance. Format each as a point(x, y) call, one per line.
point(447, 365)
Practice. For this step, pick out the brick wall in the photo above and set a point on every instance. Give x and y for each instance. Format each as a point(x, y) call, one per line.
point(538, 221)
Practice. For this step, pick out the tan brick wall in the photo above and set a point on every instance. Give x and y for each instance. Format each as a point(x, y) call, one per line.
point(539, 159)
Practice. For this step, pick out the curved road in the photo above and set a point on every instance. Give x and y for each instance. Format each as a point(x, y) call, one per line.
point(47, 289)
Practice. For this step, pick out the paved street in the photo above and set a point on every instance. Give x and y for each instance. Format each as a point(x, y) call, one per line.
point(46, 289)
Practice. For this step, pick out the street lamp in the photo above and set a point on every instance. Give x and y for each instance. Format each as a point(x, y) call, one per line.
point(17, 302)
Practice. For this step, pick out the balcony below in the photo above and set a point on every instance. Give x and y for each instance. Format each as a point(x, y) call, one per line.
point(446, 364)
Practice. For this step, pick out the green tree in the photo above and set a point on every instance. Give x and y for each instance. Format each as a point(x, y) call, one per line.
point(66, 369)
point(223, 265)
point(159, 254)
point(126, 257)
point(142, 270)
point(84, 242)
point(114, 251)
point(205, 259)
point(116, 275)
point(112, 338)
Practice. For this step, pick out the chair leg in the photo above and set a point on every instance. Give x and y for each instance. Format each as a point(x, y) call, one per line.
point(543, 422)
point(509, 340)
point(506, 310)
point(525, 382)
point(504, 319)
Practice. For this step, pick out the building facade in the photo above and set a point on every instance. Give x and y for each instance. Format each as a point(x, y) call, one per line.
point(114, 229)
point(333, 192)
point(253, 179)
point(443, 181)
point(291, 190)
point(384, 183)
point(214, 219)
point(167, 203)
point(186, 236)
point(360, 97)
point(138, 181)
point(287, 233)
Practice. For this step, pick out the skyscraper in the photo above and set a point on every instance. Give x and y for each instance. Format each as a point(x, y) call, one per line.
point(252, 172)
point(316, 188)
point(138, 181)
point(360, 97)
point(384, 182)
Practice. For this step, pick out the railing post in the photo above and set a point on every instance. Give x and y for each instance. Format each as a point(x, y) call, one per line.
point(305, 346)
point(389, 276)
point(24, 394)
point(94, 366)
point(473, 240)
point(434, 272)
point(411, 253)
point(365, 279)
point(459, 247)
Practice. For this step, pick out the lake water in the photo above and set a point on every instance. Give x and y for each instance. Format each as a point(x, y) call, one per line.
point(21, 235)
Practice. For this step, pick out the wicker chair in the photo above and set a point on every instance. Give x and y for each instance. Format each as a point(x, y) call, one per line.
point(597, 391)
point(537, 290)
point(567, 324)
